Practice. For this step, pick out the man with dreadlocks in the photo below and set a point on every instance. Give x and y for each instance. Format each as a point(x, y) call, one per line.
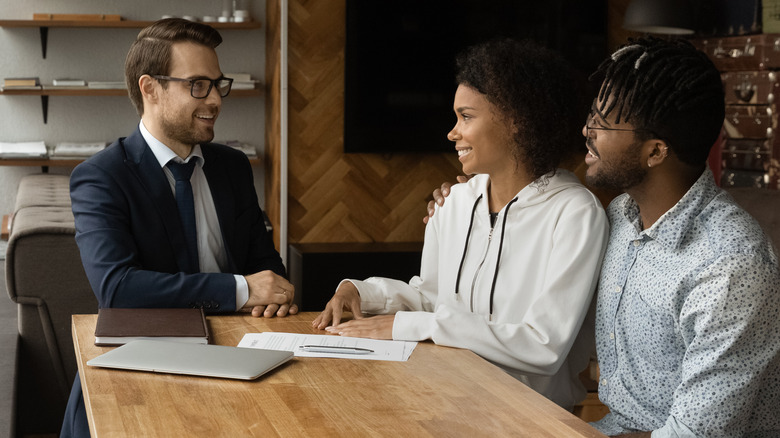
point(689, 295)
point(687, 329)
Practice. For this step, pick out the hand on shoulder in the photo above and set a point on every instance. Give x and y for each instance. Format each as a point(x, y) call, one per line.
point(439, 194)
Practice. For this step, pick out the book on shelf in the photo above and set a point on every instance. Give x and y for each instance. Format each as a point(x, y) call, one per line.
point(117, 326)
point(76, 17)
point(107, 84)
point(69, 150)
point(239, 77)
point(21, 84)
point(242, 81)
point(32, 87)
point(25, 149)
point(64, 87)
point(66, 82)
point(242, 85)
point(246, 148)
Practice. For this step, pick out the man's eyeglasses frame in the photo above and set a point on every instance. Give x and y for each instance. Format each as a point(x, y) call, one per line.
point(219, 82)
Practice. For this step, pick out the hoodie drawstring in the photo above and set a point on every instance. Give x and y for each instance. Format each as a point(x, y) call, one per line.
point(465, 248)
point(498, 258)
point(500, 248)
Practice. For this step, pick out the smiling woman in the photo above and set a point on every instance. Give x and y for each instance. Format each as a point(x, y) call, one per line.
point(482, 137)
point(510, 262)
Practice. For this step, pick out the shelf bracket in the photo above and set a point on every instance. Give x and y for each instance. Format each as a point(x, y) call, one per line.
point(45, 107)
point(44, 38)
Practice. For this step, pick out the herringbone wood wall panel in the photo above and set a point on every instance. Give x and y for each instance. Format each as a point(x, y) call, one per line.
point(337, 197)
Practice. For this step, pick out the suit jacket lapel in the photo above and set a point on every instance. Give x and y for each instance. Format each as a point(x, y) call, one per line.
point(142, 162)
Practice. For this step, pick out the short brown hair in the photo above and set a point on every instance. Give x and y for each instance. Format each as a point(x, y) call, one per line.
point(150, 54)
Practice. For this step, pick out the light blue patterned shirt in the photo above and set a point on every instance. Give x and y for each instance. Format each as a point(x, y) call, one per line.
point(688, 321)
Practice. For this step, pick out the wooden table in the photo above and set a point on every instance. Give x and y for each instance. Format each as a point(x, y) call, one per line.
point(439, 391)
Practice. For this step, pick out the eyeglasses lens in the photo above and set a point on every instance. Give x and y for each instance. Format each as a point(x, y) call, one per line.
point(202, 87)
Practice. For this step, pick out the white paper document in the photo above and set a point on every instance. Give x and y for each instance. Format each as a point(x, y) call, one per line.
point(26, 149)
point(67, 149)
point(381, 350)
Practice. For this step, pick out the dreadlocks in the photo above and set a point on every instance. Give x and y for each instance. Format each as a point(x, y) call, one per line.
point(667, 90)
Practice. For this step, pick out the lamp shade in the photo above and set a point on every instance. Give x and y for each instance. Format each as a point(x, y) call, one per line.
point(672, 17)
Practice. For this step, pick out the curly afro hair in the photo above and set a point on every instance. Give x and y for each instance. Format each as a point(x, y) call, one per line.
point(537, 90)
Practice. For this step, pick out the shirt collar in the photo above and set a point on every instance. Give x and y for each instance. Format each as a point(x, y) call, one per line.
point(164, 154)
point(672, 226)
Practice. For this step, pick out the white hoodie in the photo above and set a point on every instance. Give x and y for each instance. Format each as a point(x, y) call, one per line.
point(550, 255)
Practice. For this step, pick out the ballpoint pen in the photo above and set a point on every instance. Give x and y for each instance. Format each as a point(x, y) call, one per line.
point(334, 349)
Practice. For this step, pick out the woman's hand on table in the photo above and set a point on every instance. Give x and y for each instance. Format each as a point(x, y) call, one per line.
point(346, 297)
point(375, 327)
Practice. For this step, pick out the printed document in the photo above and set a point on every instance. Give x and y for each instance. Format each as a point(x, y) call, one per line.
point(382, 350)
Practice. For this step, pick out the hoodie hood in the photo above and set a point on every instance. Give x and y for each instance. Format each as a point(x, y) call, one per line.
point(537, 192)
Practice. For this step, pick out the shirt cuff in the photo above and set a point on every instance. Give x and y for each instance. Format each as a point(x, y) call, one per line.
point(414, 326)
point(242, 291)
point(673, 429)
point(371, 298)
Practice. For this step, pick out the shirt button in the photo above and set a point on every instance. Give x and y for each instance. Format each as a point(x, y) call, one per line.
point(636, 243)
point(603, 381)
point(618, 289)
point(611, 336)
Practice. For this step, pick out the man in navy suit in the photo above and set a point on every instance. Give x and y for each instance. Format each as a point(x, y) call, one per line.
point(140, 246)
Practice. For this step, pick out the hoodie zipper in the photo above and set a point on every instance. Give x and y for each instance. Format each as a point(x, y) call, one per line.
point(484, 256)
point(479, 268)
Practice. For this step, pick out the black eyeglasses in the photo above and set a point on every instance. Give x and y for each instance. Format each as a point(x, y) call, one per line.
point(595, 128)
point(589, 128)
point(200, 88)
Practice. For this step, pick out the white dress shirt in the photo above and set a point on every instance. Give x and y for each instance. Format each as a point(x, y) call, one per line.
point(212, 255)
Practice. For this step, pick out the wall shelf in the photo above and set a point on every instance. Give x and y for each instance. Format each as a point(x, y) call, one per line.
point(45, 163)
point(44, 26)
point(257, 92)
point(121, 23)
point(45, 93)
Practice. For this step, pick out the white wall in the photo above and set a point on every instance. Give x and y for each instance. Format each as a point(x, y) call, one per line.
point(98, 54)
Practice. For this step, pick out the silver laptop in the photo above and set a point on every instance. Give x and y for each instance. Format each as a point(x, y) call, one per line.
point(194, 359)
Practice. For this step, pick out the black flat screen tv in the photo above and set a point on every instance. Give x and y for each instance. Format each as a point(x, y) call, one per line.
point(400, 58)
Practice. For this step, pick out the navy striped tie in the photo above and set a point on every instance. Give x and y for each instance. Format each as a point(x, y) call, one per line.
point(186, 203)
